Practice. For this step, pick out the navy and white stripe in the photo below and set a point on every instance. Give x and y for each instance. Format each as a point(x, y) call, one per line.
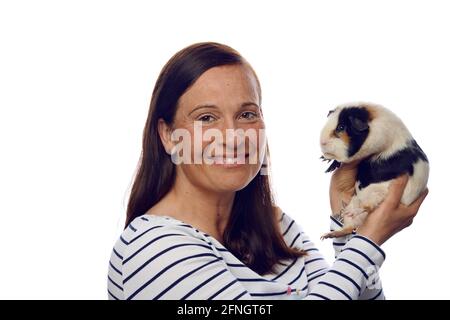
point(159, 257)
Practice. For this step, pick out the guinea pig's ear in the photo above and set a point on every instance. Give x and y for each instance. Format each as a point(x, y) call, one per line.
point(358, 124)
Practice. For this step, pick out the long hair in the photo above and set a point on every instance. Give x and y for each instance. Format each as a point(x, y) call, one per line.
point(252, 232)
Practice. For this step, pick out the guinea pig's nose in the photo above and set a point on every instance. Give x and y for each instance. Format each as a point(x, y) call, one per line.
point(323, 143)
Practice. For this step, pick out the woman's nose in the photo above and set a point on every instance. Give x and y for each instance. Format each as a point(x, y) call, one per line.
point(230, 124)
point(229, 129)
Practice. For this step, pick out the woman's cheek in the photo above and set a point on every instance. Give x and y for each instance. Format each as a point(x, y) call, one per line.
point(260, 144)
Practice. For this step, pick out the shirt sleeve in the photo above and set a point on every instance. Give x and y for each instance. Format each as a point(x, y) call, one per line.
point(352, 276)
point(167, 263)
point(373, 289)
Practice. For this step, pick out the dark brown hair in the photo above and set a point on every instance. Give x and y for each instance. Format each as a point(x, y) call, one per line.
point(252, 232)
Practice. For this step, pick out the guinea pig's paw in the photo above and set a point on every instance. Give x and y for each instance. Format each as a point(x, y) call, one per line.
point(337, 233)
point(328, 235)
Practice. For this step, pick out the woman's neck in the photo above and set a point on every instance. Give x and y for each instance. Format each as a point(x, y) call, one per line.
point(206, 210)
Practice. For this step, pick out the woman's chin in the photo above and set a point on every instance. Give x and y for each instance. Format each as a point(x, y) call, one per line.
point(232, 180)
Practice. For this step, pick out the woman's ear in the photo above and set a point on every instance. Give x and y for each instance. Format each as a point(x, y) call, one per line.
point(165, 132)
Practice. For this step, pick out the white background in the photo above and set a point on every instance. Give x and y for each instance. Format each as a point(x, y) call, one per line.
point(75, 85)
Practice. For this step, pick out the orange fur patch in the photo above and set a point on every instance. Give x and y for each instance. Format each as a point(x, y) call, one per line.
point(372, 111)
point(344, 137)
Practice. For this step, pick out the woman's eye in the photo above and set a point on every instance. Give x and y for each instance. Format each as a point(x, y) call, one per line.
point(206, 118)
point(248, 115)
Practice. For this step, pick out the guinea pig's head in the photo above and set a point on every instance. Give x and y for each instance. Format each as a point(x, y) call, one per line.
point(344, 134)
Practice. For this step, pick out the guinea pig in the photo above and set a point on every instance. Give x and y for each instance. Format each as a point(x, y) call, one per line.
point(385, 149)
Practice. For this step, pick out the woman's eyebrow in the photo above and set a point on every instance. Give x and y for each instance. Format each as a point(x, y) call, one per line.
point(246, 104)
point(206, 106)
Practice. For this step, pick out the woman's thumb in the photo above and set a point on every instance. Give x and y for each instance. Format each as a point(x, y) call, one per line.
point(396, 188)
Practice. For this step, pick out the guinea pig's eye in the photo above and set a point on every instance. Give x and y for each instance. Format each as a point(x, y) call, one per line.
point(340, 128)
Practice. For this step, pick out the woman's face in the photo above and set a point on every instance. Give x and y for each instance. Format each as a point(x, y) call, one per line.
point(221, 115)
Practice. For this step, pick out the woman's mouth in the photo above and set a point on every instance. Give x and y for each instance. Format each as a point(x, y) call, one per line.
point(229, 162)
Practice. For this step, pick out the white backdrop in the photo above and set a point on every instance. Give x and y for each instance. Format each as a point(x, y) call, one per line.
point(75, 84)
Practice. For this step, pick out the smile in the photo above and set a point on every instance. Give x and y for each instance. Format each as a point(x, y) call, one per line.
point(230, 161)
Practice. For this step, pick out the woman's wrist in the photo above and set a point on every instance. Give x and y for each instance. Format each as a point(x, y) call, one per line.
point(372, 234)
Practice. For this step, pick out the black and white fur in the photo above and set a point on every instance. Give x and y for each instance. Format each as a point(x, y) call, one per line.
point(377, 138)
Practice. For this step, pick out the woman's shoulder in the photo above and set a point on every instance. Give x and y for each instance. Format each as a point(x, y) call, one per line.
point(292, 232)
point(152, 245)
point(164, 232)
point(149, 226)
point(285, 219)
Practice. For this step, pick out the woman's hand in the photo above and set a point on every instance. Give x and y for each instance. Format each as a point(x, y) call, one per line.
point(342, 186)
point(391, 216)
point(385, 221)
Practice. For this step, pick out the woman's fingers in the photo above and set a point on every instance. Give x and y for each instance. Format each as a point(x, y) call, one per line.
point(409, 212)
point(414, 207)
point(342, 185)
point(343, 180)
point(422, 197)
point(395, 193)
point(350, 165)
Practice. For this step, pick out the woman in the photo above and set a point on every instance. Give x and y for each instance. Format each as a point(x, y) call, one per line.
point(210, 229)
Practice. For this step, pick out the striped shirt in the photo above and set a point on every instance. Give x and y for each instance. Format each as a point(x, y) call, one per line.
point(160, 257)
